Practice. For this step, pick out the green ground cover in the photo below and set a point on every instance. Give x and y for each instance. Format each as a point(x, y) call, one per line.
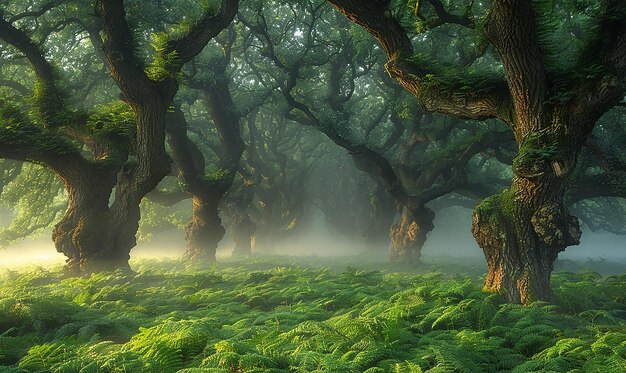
point(281, 314)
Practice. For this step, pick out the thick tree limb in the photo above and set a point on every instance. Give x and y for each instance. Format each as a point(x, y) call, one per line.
point(49, 97)
point(203, 31)
point(376, 18)
point(126, 69)
point(512, 29)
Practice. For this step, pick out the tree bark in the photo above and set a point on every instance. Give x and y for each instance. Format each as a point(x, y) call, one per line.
point(523, 229)
point(408, 234)
point(150, 99)
point(242, 229)
point(521, 232)
point(204, 231)
point(136, 179)
point(238, 200)
point(90, 235)
point(94, 235)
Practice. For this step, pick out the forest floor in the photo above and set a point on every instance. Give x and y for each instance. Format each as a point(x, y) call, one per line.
point(307, 314)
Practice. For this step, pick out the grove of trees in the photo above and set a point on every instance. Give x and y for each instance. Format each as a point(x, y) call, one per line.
point(120, 119)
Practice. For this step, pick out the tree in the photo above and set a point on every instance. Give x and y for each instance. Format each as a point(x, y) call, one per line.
point(94, 233)
point(551, 111)
point(353, 205)
point(413, 160)
point(205, 230)
point(279, 160)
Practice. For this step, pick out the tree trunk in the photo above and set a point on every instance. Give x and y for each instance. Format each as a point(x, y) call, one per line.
point(205, 229)
point(242, 229)
point(62, 237)
point(108, 246)
point(105, 242)
point(265, 225)
point(236, 203)
point(522, 230)
point(122, 223)
point(92, 236)
point(260, 240)
point(408, 234)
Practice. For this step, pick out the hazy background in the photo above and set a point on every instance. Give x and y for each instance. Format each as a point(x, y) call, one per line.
point(451, 238)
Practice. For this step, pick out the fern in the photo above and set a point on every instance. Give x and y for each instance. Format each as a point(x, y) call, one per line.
point(274, 315)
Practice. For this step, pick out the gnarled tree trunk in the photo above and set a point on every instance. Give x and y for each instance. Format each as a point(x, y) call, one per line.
point(408, 234)
point(522, 230)
point(92, 236)
point(205, 230)
point(150, 99)
point(521, 240)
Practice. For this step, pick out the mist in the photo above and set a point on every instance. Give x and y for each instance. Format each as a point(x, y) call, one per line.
point(450, 239)
point(312, 186)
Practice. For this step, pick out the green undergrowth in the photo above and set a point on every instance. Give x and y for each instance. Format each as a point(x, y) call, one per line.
point(303, 315)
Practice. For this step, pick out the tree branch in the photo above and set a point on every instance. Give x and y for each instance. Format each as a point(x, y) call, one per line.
point(126, 69)
point(192, 43)
point(35, 13)
point(49, 98)
point(19, 88)
point(462, 100)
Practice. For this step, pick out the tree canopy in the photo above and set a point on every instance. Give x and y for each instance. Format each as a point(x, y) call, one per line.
point(120, 119)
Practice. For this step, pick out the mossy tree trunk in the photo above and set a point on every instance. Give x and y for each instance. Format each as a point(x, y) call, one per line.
point(521, 232)
point(88, 230)
point(93, 234)
point(204, 231)
point(408, 234)
point(150, 93)
point(85, 227)
point(136, 179)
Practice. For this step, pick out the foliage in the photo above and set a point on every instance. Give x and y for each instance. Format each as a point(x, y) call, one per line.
point(36, 198)
point(114, 122)
point(157, 218)
point(165, 63)
point(536, 149)
point(17, 131)
point(276, 315)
